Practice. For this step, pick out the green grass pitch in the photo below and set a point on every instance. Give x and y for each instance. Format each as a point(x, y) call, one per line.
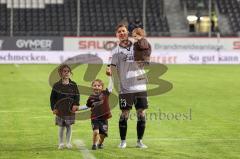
point(211, 92)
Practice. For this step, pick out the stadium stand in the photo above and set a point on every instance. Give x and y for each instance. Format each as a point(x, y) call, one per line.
point(99, 17)
point(4, 19)
point(224, 8)
point(59, 17)
point(156, 22)
point(231, 8)
point(195, 4)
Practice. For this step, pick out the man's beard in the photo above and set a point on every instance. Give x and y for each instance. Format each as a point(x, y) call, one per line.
point(124, 42)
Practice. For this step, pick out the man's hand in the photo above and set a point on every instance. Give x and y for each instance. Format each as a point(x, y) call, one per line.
point(108, 71)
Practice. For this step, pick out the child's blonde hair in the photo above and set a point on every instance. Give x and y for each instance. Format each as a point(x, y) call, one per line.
point(139, 31)
point(99, 81)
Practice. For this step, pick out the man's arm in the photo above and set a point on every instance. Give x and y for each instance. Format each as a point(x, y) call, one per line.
point(110, 85)
point(112, 68)
point(108, 70)
point(83, 107)
point(113, 61)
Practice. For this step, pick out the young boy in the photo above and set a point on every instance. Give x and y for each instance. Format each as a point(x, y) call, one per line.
point(99, 104)
point(64, 88)
point(142, 48)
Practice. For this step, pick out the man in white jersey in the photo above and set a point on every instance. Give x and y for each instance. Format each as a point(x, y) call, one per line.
point(132, 84)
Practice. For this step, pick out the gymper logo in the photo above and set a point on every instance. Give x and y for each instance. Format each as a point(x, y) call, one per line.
point(1, 43)
point(34, 44)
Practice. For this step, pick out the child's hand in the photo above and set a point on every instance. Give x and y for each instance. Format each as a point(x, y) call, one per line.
point(109, 71)
point(55, 111)
point(138, 38)
point(74, 108)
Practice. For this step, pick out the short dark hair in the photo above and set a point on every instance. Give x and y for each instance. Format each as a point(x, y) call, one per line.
point(119, 26)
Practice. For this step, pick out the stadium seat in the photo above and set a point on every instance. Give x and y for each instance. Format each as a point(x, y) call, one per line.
point(59, 17)
point(231, 8)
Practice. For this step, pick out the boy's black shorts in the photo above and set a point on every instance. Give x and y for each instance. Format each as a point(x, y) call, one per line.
point(139, 99)
point(101, 125)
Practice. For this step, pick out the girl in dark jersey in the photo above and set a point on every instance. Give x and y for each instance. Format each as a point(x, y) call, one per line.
point(64, 88)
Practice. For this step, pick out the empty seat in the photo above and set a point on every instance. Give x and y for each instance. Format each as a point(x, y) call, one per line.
point(230, 8)
point(59, 17)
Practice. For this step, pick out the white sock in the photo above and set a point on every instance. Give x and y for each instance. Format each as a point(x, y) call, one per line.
point(69, 134)
point(60, 134)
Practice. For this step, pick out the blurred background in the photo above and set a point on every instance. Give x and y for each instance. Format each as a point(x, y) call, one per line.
point(209, 29)
point(99, 17)
point(197, 40)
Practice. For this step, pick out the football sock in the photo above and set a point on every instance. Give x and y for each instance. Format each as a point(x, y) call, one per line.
point(141, 126)
point(123, 127)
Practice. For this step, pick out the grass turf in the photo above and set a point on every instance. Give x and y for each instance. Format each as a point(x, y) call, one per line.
point(211, 92)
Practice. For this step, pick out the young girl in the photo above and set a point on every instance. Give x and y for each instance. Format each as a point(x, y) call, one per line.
point(64, 88)
point(98, 101)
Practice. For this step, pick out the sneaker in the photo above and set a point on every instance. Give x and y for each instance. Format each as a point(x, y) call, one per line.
point(69, 146)
point(100, 146)
point(94, 147)
point(123, 144)
point(141, 145)
point(61, 146)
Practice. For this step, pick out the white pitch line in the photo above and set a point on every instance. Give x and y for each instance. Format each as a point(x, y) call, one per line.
point(7, 111)
point(85, 152)
point(16, 65)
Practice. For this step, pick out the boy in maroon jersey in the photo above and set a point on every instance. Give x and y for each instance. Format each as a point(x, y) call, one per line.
point(99, 104)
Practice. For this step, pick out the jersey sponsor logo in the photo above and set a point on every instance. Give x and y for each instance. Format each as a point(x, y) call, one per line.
point(34, 44)
point(129, 57)
point(128, 54)
point(98, 103)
